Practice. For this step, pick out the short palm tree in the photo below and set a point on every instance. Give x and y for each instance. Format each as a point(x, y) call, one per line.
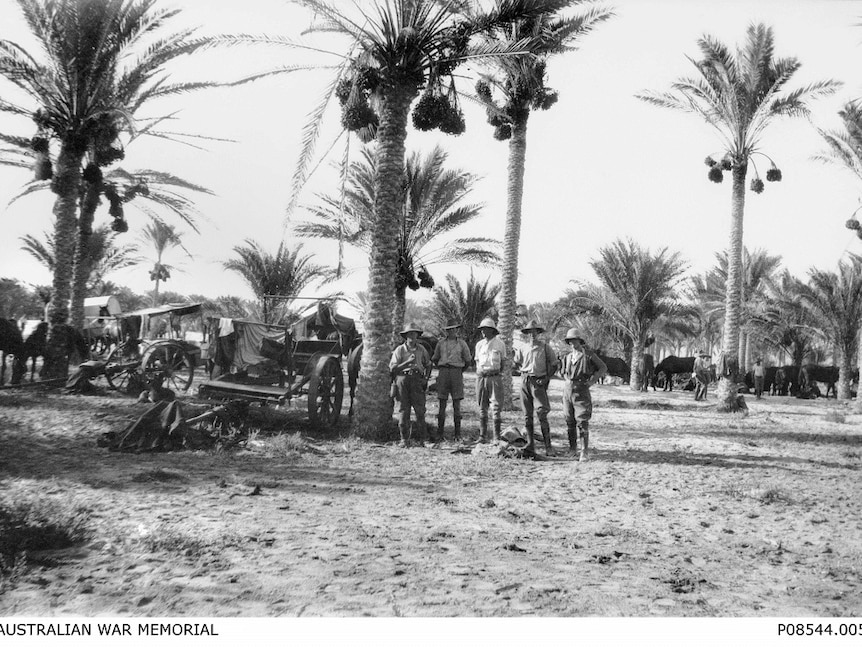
point(433, 205)
point(283, 274)
point(636, 287)
point(105, 255)
point(739, 95)
point(101, 60)
point(785, 323)
point(161, 237)
point(513, 87)
point(835, 301)
point(467, 304)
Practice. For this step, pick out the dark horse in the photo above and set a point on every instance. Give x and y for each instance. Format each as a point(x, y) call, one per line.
point(11, 343)
point(36, 342)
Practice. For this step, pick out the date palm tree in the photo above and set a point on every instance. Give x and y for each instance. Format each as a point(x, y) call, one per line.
point(739, 95)
point(636, 287)
point(845, 150)
point(99, 62)
point(433, 205)
point(468, 304)
point(286, 273)
point(834, 300)
point(513, 88)
point(397, 47)
point(161, 237)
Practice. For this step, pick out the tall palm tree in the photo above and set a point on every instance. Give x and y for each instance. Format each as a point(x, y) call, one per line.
point(284, 274)
point(739, 95)
point(397, 47)
point(636, 287)
point(433, 205)
point(161, 237)
point(835, 301)
point(514, 87)
point(101, 60)
point(845, 150)
point(468, 304)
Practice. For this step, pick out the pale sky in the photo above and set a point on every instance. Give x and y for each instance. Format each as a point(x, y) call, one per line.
point(601, 164)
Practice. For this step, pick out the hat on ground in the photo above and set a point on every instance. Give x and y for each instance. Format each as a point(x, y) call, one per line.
point(573, 333)
point(532, 324)
point(487, 322)
point(452, 323)
point(411, 327)
point(513, 436)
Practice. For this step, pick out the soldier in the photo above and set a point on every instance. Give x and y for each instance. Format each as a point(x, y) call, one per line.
point(451, 356)
point(490, 353)
point(759, 373)
point(581, 369)
point(701, 375)
point(411, 367)
point(537, 363)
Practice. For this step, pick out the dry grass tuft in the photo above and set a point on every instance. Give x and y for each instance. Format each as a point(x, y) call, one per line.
point(183, 540)
point(835, 416)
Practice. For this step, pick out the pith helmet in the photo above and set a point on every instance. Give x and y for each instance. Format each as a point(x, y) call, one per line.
point(487, 322)
point(452, 323)
point(573, 333)
point(411, 327)
point(532, 324)
point(513, 436)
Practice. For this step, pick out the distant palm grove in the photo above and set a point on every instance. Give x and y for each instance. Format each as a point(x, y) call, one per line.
point(95, 77)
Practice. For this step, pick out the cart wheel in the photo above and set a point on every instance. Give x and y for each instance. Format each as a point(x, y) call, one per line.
point(168, 365)
point(325, 392)
point(121, 364)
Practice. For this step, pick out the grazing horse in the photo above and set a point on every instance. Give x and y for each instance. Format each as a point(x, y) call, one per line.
point(617, 367)
point(670, 365)
point(35, 340)
point(11, 343)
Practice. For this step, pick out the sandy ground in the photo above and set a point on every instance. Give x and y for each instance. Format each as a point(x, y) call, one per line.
point(681, 512)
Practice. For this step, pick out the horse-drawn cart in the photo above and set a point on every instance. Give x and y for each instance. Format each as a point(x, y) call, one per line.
point(271, 364)
point(153, 345)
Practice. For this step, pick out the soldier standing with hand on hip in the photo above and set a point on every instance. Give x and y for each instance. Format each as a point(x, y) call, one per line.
point(451, 356)
point(411, 367)
point(537, 363)
point(581, 369)
point(490, 353)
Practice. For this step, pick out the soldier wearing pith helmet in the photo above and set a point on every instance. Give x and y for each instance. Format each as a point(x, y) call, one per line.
point(581, 369)
point(490, 353)
point(411, 367)
point(537, 363)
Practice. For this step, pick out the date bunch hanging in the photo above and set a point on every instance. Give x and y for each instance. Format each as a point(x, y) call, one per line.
point(717, 168)
point(353, 91)
point(115, 210)
point(439, 109)
point(405, 276)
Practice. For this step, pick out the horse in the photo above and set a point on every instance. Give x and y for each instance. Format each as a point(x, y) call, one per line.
point(11, 343)
point(36, 342)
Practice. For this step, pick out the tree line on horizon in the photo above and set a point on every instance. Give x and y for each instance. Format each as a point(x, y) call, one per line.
point(86, 79)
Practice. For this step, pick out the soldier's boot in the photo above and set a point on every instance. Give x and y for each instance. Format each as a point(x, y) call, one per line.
point(585, 445)
point(483, 430)
point(405, 436)
point(441, 422)
point(456, 419)
point(546, 436)
point(498, 426)
point(530, 449)
point(573, 440)
point(419, 428)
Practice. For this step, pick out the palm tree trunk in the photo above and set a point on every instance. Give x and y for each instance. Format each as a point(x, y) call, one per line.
point(398, 315)
point(859, 368)
point(845, 368)
point(373, 416)
point(511, 243)
point(156, 300)
point(83, 262)
point(633, 357)
point(727, 387)
point(66, 185)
